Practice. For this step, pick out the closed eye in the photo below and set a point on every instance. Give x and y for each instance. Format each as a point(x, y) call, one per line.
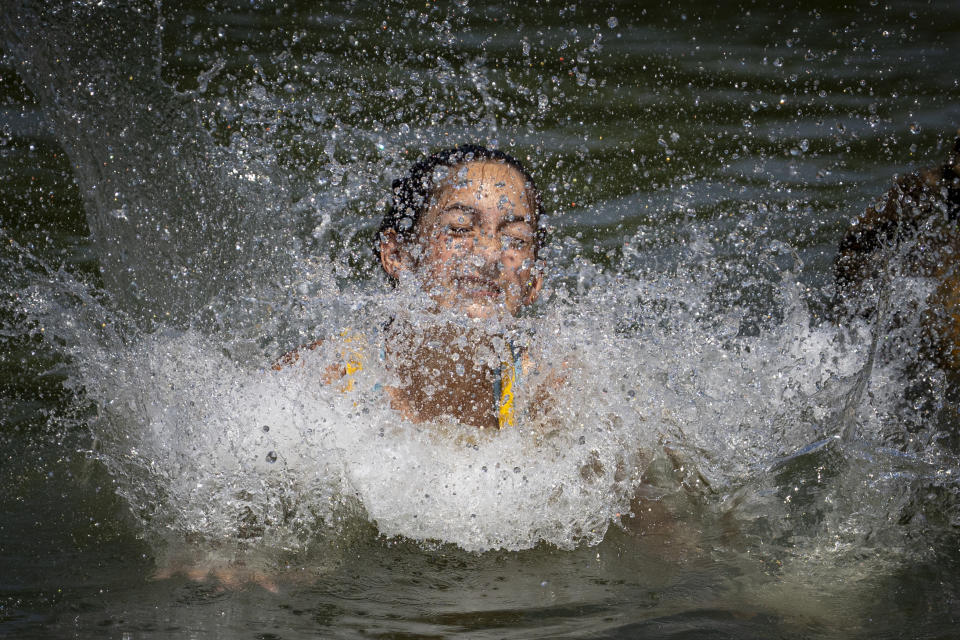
point(514, 242)
point(458, 220)
point(515, 232)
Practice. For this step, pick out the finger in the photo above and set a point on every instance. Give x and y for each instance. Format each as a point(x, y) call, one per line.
point(228, 578)
point(265, 582)
point(196, 574)
point(164, 573)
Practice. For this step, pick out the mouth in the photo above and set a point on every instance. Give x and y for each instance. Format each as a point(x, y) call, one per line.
point(478, 287)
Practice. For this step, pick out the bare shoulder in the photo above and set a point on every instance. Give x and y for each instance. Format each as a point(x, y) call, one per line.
point(331, 372)
point(293, 357)
point(552, 375)
point(345, 359)
point(921, 205)
point(545, 383)
point(915, 222)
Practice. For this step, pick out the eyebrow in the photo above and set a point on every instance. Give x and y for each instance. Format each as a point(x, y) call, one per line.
point(457, 206)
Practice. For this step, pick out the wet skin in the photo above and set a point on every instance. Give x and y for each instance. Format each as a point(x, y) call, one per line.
point(917, 219)
point(474, 254)
point(475, 250)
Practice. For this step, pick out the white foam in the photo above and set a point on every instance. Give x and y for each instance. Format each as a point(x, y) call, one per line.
point(205, 440)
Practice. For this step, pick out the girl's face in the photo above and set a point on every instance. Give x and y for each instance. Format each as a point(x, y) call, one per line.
point(476, 243)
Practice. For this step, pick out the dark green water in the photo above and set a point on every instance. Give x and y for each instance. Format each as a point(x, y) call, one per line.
point(217, 171)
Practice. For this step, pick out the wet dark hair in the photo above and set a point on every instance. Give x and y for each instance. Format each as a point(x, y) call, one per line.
point(412, 193)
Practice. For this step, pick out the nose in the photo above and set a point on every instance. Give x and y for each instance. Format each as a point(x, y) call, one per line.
point(487, 248)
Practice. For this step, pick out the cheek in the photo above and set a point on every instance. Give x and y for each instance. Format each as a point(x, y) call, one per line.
point(442, 254)
point(517, 261)
point(457, 250)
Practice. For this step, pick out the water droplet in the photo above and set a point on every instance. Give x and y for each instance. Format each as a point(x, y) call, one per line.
point(266, 428)
point(612, 22)
point(778, 62)
point(516, 469)
point(271, 456)
point(915, 127)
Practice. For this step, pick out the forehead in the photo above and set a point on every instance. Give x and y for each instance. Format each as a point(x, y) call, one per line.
point(482, 180)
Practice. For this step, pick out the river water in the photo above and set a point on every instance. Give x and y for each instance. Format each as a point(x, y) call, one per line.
point(188, 192)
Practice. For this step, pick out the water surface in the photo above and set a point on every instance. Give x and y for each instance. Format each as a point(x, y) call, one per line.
point(189, 192)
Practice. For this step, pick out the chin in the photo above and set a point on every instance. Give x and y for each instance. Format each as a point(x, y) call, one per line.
point(489, 312)
point(480, 308)
point(484, 311)
point(480, 312)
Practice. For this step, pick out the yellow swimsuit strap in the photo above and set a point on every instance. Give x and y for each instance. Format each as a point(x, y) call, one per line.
point(352, 355)
point(506, 380)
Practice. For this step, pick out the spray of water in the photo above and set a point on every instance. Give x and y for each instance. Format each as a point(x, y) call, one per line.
point(214, 260)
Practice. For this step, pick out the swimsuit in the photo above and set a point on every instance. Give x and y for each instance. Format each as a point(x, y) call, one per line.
point(507, 377)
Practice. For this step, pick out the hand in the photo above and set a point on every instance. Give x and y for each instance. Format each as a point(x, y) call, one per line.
point(230, 577)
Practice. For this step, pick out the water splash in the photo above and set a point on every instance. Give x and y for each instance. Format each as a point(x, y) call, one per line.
point(241, 214)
